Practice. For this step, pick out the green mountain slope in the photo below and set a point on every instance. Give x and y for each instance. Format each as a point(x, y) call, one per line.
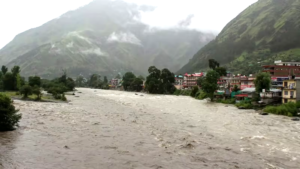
point(104, 37)
point(266, 31)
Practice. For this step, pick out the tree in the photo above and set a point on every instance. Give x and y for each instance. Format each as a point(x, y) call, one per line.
point(137, 84)
point(8, 114)
point(210, 85)
point(127, 80)
point(95, 80)
point(200, 81)
point(70, 84)
point(222, 71)
point(37, 91)
point(105, 81)
point(63, 78)
point(160, 82)
point(235, 88)
point(1, 81)
point(15, 70)
point(26, 90)
point(168, 79)
point(80, 82)
point(262, 81)
point(153, 81)
point(141, 77)
point(4, 70)
point(8, 81)
point(213, 64)
point(34, 81)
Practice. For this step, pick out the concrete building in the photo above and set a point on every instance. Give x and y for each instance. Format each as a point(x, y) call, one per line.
point(247, 82)
point(190, 80)
point(178, 81)
point(291, 90)
point(283, 69)
point(114, 83)
point(228, 82)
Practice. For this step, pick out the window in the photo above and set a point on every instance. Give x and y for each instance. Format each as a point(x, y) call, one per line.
point(286, 93)
point(292, 93)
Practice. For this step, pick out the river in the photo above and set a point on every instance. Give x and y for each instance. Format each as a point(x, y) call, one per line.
point(123, 130)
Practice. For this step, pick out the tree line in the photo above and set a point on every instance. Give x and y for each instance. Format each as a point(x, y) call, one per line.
point(12, 81)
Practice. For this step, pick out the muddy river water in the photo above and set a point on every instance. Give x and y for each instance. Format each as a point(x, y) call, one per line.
point(119, 130)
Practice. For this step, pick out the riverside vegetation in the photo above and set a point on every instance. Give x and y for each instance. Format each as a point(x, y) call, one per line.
point(12, 85)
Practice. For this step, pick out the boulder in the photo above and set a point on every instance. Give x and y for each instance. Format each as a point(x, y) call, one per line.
point(263, 113)
point(296, 119)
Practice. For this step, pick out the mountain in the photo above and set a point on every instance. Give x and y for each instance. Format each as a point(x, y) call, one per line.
point(104, 37)
point(266, 31)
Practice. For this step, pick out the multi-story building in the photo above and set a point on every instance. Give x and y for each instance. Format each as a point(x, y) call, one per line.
point(190, 80)
point(228, 82)
point(178, 81)
point(283, 69)
point(291, 90)
point(115, 83)
point(247, 82)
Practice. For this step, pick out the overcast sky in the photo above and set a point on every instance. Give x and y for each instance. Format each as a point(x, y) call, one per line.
point(17, 16)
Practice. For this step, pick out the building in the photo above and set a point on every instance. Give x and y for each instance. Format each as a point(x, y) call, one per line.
point(247, 82)
point(291, 90)
point(190, 80)
point(272, 96)
point(228, 82)
point(283, 69)
point(277, 82)
point(178, 81)
point(114, 83)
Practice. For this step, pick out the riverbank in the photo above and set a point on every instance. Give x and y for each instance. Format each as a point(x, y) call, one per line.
point(114, 129)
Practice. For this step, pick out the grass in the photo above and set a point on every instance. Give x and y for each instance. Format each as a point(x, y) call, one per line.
point(289, 109)
point(226, 101)
point(244, 105)
point(16, 95)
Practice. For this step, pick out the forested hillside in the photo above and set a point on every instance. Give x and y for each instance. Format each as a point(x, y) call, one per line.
point(266, 31)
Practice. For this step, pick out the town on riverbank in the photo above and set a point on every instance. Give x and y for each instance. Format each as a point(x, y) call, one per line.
point(276, 88)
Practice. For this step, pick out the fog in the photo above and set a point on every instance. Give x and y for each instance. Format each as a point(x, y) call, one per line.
point(205, 15)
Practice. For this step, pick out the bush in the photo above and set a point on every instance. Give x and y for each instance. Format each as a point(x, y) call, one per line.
point(194, 91)
point(202, 96)
point(184, 92)
point(26, 90)
point(227, 101)
point(244, 105)
point(8, 114)
point(197, 94)
point(288, 109)
point(63, 97)
point(177, 92)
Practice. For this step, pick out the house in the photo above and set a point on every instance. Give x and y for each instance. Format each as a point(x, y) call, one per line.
point(245, 94)
point(247, 82)
point(291, 90)
point(272, 96)
point(115, 83)
point(178, 81)
point(283, 69)
point(190, 80)
point(229, 81)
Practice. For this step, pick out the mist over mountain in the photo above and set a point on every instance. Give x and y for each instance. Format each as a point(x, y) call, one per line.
point(266, 31)
point(104, 37)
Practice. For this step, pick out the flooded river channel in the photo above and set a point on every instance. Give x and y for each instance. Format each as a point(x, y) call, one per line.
point(119, 130)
